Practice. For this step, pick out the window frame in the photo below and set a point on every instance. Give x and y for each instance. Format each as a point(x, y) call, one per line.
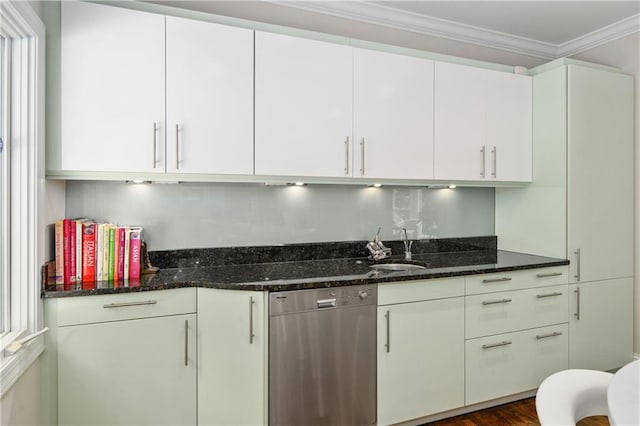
point(25, 33)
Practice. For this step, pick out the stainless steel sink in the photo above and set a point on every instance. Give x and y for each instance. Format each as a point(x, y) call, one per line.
point(396, 267)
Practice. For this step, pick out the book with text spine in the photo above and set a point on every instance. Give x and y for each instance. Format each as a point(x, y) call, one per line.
point(88, 252)
point(121, 240)
point(105, 251)
point(127, 252)
point(135, 253)
point(98, 230)
point(78, 242)
point(67, 251)
point(59, 251)
point(72, 251)
point(112, 246)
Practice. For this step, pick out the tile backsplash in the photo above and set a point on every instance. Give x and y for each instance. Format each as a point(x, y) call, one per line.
point(201, 215)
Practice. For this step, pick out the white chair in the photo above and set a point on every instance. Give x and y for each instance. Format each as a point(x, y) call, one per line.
point(570, 395)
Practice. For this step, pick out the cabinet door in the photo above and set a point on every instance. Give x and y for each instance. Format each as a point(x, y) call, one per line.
point(231, 369)
point(393, 115)
point(139, 372)
point(303, 107)
point(209, 98)
point(421, 371)
point(112, 86)
point(600, 174)
point(601, 324)
point(506, 364)
point(461, 152)
point(509, 126)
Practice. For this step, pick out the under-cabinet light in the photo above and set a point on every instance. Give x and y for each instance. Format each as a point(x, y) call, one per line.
point(374, 185)
point(452, 187)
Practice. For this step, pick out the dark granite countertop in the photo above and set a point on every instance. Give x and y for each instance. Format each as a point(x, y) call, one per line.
point(197, 269)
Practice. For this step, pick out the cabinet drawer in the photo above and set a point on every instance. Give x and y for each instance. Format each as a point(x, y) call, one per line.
point(507, 311)
point(515, 280)
point(415, 291)
point(117, 307)
point(505, 364)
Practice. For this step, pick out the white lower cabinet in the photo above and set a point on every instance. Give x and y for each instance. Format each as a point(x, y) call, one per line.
point(420, 351)
point(506, 364)
point(232, 349)
point(127, 371)
point(600, 323)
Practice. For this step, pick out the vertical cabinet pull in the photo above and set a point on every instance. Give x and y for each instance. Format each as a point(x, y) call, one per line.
point(251, 335)
point(388, 320)
point(484, 161)
point(577, 253)
point(494, 151)
point(177, 146)
point(155, 143)
point(346, 156)
point(577, 312)
point(186, 342)
point(362, 157)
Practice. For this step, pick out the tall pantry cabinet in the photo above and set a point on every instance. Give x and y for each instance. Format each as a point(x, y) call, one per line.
point(580, 204)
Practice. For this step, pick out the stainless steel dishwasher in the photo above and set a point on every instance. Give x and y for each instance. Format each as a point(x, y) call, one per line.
point(322, 357)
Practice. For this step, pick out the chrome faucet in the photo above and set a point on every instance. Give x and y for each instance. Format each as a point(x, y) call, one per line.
point(407, 244)
point(377, 249)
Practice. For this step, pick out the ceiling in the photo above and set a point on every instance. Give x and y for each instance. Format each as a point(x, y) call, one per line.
point(547, 29)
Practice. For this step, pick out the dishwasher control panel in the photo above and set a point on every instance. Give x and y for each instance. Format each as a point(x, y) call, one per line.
point(322, 298)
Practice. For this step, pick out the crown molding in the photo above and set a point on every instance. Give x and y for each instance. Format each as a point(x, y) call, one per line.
point(378, 14)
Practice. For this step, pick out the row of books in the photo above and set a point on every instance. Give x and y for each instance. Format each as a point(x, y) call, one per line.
point(86, 251)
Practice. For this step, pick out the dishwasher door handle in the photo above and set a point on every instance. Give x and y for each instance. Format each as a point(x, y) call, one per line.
point(326, 303)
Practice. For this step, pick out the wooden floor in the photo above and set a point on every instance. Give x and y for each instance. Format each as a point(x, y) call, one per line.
point(517, 413)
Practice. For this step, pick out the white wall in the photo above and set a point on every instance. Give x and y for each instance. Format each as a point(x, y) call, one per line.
point(624, 53)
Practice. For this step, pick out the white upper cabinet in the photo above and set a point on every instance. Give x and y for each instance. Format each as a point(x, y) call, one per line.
point(209, 97)
point(112, 89)
point(509, 126)
point(460, 124)
point(393, 115)
point(482, 124)
point(303, 107)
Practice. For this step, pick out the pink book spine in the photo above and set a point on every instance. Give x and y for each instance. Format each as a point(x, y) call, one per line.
point(134, 253)
point(67, 251)
point(72, 251)
point(121, 239)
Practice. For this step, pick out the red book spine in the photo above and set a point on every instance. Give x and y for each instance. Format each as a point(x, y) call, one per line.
point(67, 251)
point(88, 252)
point(134, 253)
point(59, 248)
point(121, 237)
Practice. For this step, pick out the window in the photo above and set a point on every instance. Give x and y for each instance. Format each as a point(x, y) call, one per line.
point(21, 186)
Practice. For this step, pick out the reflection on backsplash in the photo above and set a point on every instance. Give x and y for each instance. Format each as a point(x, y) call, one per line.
point(200, 215)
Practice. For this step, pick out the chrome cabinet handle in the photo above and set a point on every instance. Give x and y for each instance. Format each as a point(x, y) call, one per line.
point(186, 342)
point(496, 280)
point(495, 345)
point(251, 334)
point(544, 336)
point(577, 312)
point(577, 253)
point(346, 156)
point(542, 296)
point(122, 305)
point(484, 161)
point(494, 151)
point(388, 343)
point(155, 143)
point(550, 274)
point(362, 157)
point(177, 146)
point(495, 302)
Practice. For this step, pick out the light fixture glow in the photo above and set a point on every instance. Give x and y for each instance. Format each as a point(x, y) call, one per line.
point(299, 184)
point(375, 185)
point(452, 187)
